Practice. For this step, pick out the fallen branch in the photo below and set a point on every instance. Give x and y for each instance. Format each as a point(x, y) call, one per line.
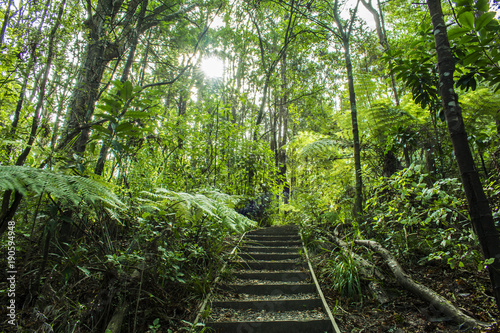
point(115, 323)
point(427, 294)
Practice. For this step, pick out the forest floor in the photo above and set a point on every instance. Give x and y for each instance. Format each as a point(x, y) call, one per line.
point(407, 313)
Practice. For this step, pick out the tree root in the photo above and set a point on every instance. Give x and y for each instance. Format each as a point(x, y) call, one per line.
point(425, 293)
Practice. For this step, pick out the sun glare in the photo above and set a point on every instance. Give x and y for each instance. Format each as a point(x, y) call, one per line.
point(212, 67)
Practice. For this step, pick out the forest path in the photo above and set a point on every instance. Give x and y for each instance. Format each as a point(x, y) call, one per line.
point(274, 289)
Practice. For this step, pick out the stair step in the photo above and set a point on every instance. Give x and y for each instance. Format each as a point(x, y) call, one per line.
point(292, 276)
point(273, 292)
point(272, 305)
point(271, 289)
point(309, 326)
point(275, 231)
point(273, 238)
point(268, 256)
point(270, 265)
point(271, 249)
point(273, 243)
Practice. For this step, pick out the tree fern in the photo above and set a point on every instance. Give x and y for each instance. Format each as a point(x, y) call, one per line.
point(325, 148)
point(194, 206)
point(67, 188)
point(385, 119)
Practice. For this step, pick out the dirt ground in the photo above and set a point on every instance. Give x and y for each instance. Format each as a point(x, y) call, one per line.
point(470, 292)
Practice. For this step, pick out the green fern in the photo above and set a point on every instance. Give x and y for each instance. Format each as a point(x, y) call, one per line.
point(71, 189)
point(194, 206)
point(385, 119)
point(324, 148)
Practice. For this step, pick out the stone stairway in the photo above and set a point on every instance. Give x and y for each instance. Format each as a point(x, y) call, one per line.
point(274, 290)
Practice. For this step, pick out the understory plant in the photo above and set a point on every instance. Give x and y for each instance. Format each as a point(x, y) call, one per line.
point(341, 270)
point(102, 251)
point(415, 214)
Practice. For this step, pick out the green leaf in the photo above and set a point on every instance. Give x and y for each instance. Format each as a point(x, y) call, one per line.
point(137, 114)
point(482, 5)
point(126, 91)
point(112, 102)
point(483, 20)
point(106, 116)
point(124, 127)
point(116, 146)
point(467, 19)
point(472, 58)
point(101, 129)
point(84, 270)
point(457, 32)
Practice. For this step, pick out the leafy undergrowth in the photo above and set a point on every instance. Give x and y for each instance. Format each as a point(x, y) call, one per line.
point(87, 300)
point(408, 313)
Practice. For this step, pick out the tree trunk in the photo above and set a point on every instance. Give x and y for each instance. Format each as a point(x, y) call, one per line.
point(479, 208)
point(358, 200)
point(103, 153)
point(382, 36)
point(5, 22)
point(344, 35)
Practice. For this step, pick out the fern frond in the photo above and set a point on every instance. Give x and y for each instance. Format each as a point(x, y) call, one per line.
point(192, 206)
point(324, 148)
point(385, 119)
point(71, 189)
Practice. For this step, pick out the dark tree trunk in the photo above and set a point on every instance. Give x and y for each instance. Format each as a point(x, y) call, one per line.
point(98, 54)
point(358, 200)
point(479, 209)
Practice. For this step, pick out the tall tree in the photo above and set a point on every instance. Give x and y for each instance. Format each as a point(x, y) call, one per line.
point(112, 29)
point(343, 34)
point(479, 208)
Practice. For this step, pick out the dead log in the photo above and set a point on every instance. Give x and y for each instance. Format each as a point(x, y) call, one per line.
point(115, 324)
point(425, 293)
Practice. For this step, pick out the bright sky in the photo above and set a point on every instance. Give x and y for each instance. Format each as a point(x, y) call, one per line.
point(212, 67)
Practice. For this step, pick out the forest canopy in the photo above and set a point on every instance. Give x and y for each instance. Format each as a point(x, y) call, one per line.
point(137, 137)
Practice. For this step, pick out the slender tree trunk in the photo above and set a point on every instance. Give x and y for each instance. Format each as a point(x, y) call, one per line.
point(382, 36)
point(344, 35)
point(358, 200)
point(479, 208)
point(282, 158)
point(5, 23)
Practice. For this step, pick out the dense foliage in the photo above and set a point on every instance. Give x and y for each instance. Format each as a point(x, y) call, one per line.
point(129, 171)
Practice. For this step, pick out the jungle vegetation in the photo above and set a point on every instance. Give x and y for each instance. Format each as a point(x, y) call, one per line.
point(128, 167)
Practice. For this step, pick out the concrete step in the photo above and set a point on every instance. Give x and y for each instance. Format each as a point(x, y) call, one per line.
point(272, 243)
point(271, 289)
point(271, 249)
point(285, 230)
point(272, 305)
point(268, 256)
point(292, 276)
point(309, 326)
point(273, 238)
point(270, 265)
